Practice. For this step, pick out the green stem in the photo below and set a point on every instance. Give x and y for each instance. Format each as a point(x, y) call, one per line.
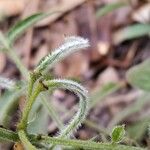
point(86, 144)
point(12, 54)
point(26, 143)
point(83, 104)
point(24, 120)
point(33, 78)
point(8, 135)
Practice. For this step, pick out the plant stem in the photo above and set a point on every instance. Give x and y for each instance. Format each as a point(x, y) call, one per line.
point(83, 103)
point(8, 135)
point(32, 80)
point(33, 77)
point(26, 143)
point(24, 120)
point(12, 54)
point(86, 144)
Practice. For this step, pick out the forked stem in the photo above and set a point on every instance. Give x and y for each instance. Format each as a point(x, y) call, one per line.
point(26, 143)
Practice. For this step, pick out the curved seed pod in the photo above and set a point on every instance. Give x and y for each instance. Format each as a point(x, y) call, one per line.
point(70, 45)
point(83, 104)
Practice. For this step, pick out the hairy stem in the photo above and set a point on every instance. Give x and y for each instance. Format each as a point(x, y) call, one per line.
point(8, 135)
point(33, 78)
point(83, 104)
point(86, 144)
point(26, 143)
point(23, 123)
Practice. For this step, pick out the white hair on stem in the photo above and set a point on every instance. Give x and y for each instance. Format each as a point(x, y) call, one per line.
point(82, 93)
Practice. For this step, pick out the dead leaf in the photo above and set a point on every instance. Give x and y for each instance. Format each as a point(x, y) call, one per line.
point(142, 15)
point(2, 61)
point(62, 6)
point(11, 7)
point(107, 76)
point(74, 66)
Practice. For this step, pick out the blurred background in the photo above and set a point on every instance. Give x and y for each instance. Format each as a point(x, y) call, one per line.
point(119, 39)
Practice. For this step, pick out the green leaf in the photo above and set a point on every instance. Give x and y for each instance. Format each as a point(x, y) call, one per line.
point(139, 76)
point(109, 8)
point(118, 134)
point(22, 25)
point(131, 32)
point(71, 44)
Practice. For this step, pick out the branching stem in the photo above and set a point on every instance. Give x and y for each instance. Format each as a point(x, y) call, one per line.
point(26, 143)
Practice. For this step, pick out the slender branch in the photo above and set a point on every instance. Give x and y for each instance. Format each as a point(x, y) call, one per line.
point(11, 136)
point(83, 104)
point(24, 72)
point(26, 143)
point(86, 144)
point(23, 123)
point(33, 78)
point(12, 54)
point(8, 135)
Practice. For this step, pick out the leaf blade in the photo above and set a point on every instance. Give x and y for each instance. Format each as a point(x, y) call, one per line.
point(131, 32)
point(24, 24)
point(118, 134)
point(109, 8)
